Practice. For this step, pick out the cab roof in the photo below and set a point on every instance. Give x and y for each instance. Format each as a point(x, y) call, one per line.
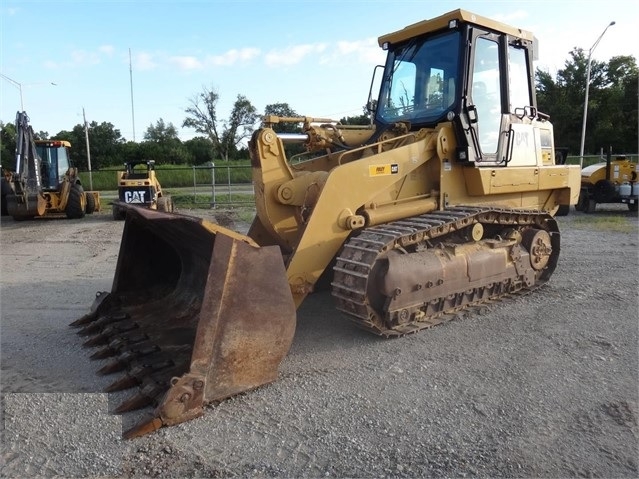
point(441, 22)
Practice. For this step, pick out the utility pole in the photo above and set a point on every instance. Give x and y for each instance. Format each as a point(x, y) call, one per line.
point(585, 115)
point(131, 80)
point(86, 135)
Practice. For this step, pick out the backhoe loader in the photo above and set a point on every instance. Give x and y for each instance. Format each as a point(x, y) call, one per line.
point(44, 183)
point(444, 202)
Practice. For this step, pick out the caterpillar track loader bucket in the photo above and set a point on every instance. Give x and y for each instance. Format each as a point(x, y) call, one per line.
point(196, 314)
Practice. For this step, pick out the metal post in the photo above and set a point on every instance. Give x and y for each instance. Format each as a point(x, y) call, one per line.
point(583, 125)
point(131, 81)
point(194, 185)
point(19, 86)
point(86, 135)
point(212, 184)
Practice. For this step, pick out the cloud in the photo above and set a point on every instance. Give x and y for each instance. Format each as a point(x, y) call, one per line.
point(144, 61)
point(292, 55)
point(233, 56)
point(186, 63)
point(513, 18)
point(83, 57)
point(107, 49)
point(367, 51)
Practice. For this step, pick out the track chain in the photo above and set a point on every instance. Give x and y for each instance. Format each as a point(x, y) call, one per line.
point(354, 268)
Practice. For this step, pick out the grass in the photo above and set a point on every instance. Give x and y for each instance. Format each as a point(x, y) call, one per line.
point(177, 176)
point(204, 201)
point(619, 224)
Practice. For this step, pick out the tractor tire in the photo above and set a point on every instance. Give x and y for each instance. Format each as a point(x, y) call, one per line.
point(163, 204)
point(582, 201)
point(74, 207)
point(563, 210)
point(633, 206)
point(604, 191)
point(90, 207)
point(5, 190)
point(591, 206)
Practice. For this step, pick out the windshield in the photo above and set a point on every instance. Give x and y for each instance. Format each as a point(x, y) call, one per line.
point(54, 165)
point(420, 81)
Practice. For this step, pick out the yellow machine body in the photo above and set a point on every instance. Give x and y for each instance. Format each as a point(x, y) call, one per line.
point(44, 182)
point(138, 185)
point(443, 202)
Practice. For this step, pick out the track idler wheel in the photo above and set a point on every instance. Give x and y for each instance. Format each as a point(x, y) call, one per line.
point(539, 246)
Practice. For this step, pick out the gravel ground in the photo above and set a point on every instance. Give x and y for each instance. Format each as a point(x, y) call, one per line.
point(542, 385)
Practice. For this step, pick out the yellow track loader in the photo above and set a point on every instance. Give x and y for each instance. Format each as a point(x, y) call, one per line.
point(44, 182)
point(444, 202)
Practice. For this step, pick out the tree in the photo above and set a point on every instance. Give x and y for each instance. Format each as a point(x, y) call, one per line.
point(362, 119)
point(239, 127)
point(162, 133)
point(8, 145)
point(105, 142)
point(203, 118)
point(163, 145)
point(200, 150)
point(612, 103)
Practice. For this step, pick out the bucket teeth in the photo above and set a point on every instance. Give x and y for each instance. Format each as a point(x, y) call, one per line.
point(105, 352)
point(107, 335)
point(146, 397)
point(127, 382)
point(124, 347)
point(143, 427)
point(119, 364)
point(86, 319)
point(98, 340)
point(135, 375)
point(127, 357)
point(97, 325)
point(137, 401)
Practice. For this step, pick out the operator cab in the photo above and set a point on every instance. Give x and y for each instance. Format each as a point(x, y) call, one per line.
point(134, 173)
point(54, 162)
point(470, 70)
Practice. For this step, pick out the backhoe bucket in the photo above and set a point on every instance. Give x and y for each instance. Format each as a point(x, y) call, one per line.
point(197, 313)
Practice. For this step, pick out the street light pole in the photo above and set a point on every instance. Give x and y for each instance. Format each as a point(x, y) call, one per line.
point(19, 86)
point(583, 125)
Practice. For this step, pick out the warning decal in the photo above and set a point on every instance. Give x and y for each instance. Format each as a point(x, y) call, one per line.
point(383, 170)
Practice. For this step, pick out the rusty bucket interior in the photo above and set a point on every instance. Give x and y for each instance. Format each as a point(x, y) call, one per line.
point(197, 313)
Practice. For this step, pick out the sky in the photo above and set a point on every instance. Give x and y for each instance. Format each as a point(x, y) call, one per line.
point(131, 63)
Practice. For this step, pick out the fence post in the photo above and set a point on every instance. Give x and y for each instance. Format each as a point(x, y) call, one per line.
point(212, 184)
point(194, 185)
